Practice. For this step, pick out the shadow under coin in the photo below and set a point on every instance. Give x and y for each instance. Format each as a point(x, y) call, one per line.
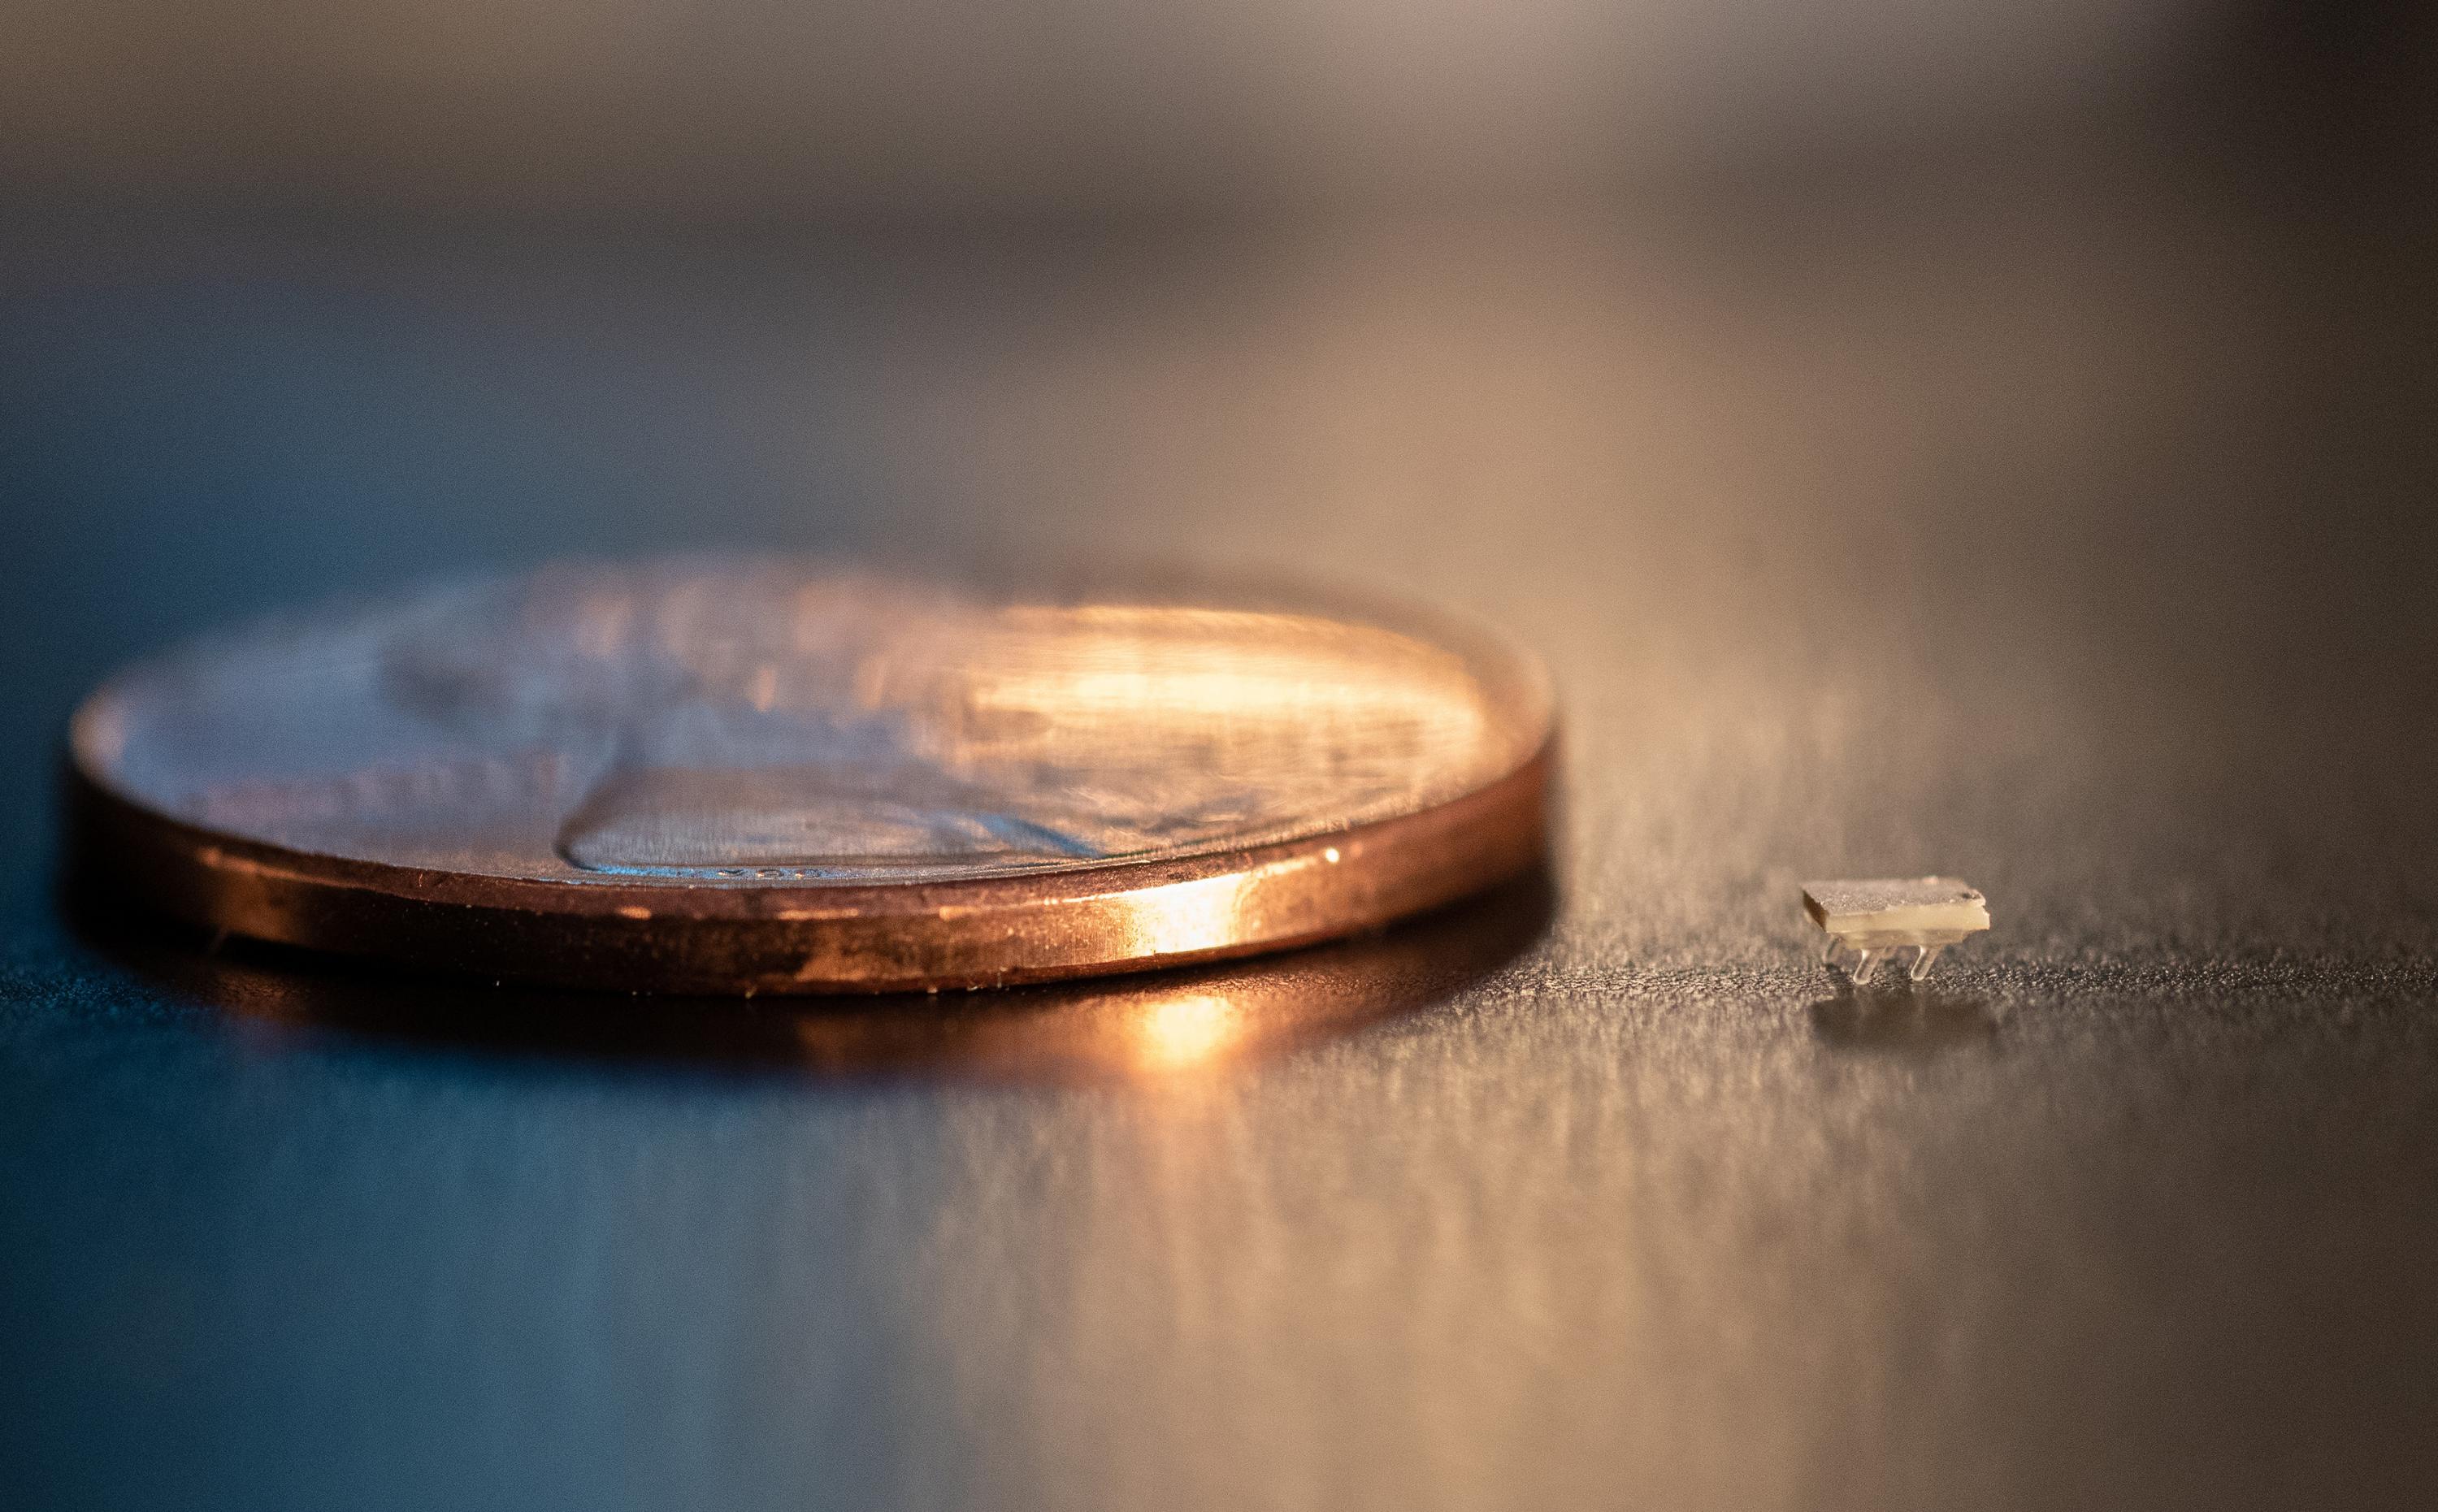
point(1903, 1020)
point(1152, 1025)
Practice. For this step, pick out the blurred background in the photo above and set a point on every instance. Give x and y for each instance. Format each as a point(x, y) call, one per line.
point(734, 112)
point(1983, 438)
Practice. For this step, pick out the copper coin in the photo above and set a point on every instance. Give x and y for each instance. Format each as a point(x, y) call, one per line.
point(768, 775)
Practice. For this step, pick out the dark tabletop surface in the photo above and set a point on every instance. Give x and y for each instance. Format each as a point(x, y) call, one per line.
point(2065, 530)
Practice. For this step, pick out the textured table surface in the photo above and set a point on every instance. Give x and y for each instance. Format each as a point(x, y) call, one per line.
point(2068, 535)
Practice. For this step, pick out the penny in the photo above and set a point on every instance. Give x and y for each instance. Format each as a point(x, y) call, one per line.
point(768, 775)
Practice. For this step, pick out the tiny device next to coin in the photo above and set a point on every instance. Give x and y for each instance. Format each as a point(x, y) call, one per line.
point(1873, 919)
point(765, 775)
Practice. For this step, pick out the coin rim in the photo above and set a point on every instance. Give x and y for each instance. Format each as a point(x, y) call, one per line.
point(830, 937)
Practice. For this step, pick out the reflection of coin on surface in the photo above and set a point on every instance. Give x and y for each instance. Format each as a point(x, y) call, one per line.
point(760, 776)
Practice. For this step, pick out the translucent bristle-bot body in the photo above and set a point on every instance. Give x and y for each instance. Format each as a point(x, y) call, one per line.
point(1869, 921)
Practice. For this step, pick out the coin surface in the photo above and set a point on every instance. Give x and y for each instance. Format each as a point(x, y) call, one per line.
point(770, 774)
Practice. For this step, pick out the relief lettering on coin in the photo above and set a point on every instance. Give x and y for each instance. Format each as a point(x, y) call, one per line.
point(753, 720)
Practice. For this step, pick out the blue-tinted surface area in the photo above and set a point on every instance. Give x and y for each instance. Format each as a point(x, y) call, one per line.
point(188, 1324)
point(2080, 554)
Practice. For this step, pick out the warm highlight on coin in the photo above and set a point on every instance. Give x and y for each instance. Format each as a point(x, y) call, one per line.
point(741, 776)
